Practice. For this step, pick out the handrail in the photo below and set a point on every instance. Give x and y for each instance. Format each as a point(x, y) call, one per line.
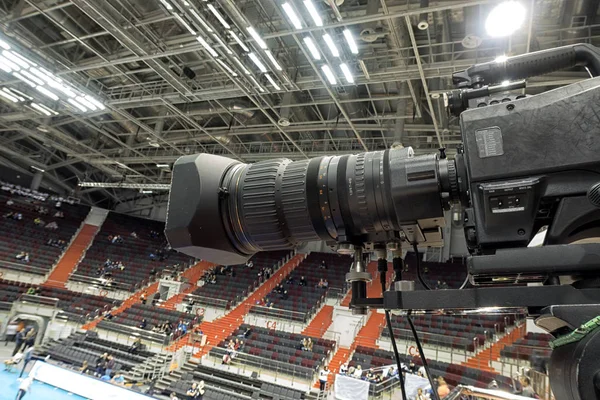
point(37, 299)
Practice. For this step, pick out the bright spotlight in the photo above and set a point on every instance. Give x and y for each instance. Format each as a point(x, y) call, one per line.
point(505, 19)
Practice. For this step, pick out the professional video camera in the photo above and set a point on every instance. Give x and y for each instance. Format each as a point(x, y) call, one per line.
point(526, 162)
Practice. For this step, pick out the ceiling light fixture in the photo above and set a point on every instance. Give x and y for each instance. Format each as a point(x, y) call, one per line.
point(32, 77)
point(9, 63)
point(261, 43)
point(227, 67)
point(4, 67)
point(51, 111)
point(40, 109)
point(347, 73)
point(273, 83)
point(8, 96)
point(4, 45)
point(329, 74)
point(332, 48)
point(22, 78)
point(184, 23)
point(201, 20)
point(14, 53)
point(350, 41)
point(257, 62)
point(312, 48)
point(239, 41)
point(207, 46)
point(47, 93)
point(219, 16)
point(86, 103)
point(287, 7)
point(262, 90)
point(143, 191)
point(222, 43)
point(95, 102)
point(505, 19)
point(77, 105)
point(162, 165)
point(273, 60)
point(18, 93)
point(167, 5)
point(17, 60)
point(241, 65)
point(313, 12)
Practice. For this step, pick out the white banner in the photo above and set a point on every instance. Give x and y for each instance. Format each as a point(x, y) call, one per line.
point(413, 383)
point(347, 388)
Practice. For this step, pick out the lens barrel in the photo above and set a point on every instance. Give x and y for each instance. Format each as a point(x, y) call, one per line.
point(225, 211)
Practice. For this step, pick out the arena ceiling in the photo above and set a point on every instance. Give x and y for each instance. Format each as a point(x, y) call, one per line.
point(159, 79)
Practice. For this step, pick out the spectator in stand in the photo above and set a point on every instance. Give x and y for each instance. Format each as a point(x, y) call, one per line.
point(526, 389)
point(23, 256)
point(101, 365)
point(144, 298)
point(52, 226)
point(110, 364)
point(196, 391)
point(344, 368)
point(421, 395)
point(133, 235)
point(443, 390)
point(37, 221)
point(30, 291)
point(118, 379)
point(309, 344)
point(358, 372)
point(135, 346)
point(302, 281)
point(249, 264)
point(173, 396)
point(59, 214)
point(323, 265)
point(30, 336)
point(290, 279)
point(9, 202)
point(85, 368)
point(321, 283)
point(189, 307)
point(323, 374)
point(143, 324)
point(370, 375)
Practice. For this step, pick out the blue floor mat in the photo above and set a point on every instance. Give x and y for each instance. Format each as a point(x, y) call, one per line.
point(9, 386)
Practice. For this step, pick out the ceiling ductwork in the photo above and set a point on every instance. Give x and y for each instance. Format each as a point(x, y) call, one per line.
point(206, 109)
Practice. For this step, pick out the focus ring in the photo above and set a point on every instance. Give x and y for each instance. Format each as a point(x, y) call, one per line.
point(361, 195)
point(453, 178)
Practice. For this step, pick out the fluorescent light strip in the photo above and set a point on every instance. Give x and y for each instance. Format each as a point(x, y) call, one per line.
point(40, 109)
point(227, 67)
point(86, 103)
point(50, 74)
point(332, 48)
point(62, 88)
point(201, 20)
point(347, 73)
point(51, 111)
point(32, 77)
point(313, 12)
point(4, 45)
point(184, 23)
point(95, 102)
point(312, 48)
point(14, 53)
point(239, 41)
point(76, 104)
point(15, 59)
point(275, 85)
point(287, 7)
point(19, 93)
point(261, 43)
point(222, 43)
point(273, 60)
point(9, 63)
point(329, 74)
point(258, 63)
point(219, 16)
point(207, 46)
point(9, 97)
point(46, 92)
point(22, 78)
point(167, 5)
point(242, 66)
point(351, 42)
point(4, 67)
point(262, 90)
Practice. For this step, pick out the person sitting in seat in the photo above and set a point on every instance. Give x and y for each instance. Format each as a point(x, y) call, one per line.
point(323, 265)
point(30, 291)
point(358, 372)
point(290, 280)
point(249, 264)
point(135, 346)
point(143, 324)
point(302, 281)
point(59, 214)
point(85, 368)
point(133, 235)
point(52, 226)
point(344, 368)
point(325, 284)
point(321, 283)
point(23, 256)
point(17, 216)
point(309, 344)
point(38, 221)
point(9, 214)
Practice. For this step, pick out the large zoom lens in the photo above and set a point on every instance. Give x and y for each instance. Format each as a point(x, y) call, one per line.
point(225, 211)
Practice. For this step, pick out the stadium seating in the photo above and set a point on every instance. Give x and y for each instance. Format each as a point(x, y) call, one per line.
point(134, 253)
point(153, 315)
point(525, 348)
point(230, 290)
point(449, 275)
point(278, 351)
point(453, 331)
point(218, 381)
point(454, 374)
point(86, 346)
point(303, 301)
point(25, 236)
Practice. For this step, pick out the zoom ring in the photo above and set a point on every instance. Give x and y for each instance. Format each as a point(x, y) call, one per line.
point(363, 209)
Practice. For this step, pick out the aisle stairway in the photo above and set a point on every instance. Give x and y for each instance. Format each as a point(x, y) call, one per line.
point(71, 257)
point(192, 274)
point(219, 329)
point(369, 334)
point(483, 359)
point(340, 357)
point(320, 323)
point(373, 287)
point(133, 299)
